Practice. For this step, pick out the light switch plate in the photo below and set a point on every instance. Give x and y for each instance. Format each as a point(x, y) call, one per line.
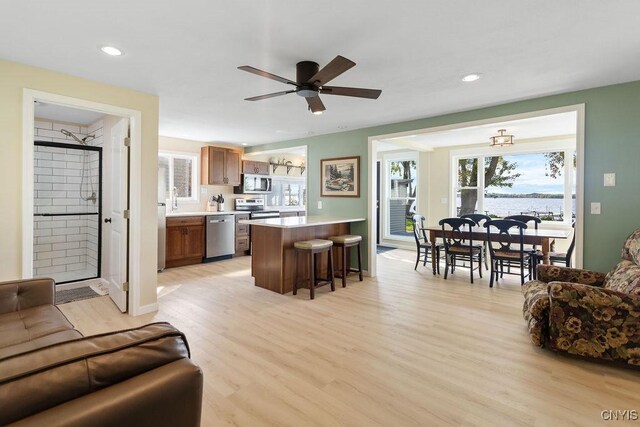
point(203, 190)
point(609, 179)
point(319, 204)
point(444, 200)
point(595, 208)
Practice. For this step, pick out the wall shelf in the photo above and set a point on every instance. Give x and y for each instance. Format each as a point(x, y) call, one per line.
point(274, 167)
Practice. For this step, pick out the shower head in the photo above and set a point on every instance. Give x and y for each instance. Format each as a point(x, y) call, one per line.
point(82, 141)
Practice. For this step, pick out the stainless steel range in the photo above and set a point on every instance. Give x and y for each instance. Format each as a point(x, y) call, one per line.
point(255, 208)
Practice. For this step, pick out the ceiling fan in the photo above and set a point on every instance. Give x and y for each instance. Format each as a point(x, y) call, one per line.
point(310, 82)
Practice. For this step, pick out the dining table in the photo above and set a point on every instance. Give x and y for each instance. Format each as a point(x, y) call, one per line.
point(532, 236)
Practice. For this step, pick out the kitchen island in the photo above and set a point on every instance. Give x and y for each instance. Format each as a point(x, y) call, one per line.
point(273, 264)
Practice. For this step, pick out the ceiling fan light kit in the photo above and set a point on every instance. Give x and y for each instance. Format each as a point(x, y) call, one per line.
point(310, 82)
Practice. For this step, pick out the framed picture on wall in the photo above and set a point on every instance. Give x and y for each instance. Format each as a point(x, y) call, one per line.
point(340, 177)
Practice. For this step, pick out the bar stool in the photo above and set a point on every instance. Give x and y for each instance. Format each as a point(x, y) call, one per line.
point(345, 242)
point(313, 248)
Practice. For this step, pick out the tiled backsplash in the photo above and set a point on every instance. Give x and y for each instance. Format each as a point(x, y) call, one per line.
point(65, 247)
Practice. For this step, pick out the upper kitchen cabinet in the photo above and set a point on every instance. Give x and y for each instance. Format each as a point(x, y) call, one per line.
point(219, 166)
point(252, 167)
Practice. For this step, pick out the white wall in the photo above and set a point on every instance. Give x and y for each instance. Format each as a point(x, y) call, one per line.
point(16, 78)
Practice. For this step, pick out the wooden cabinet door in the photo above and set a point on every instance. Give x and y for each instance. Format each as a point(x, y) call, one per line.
point(242, 230)
point(193, 241)
point(174, 245)
point(216, 166)
point(212, 166)
point(242, 244)
point(232, 167)
point(242, 217)
point(262, 168)
point(248, 166)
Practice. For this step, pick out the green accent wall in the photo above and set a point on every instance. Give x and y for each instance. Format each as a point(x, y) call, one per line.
point(612, 144)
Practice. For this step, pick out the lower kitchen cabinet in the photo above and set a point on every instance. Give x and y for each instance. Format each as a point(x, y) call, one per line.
point(185, 241)
point(243, 239)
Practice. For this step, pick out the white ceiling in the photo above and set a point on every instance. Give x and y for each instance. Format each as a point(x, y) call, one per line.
point(414, 50)
point(554, 125)
point(59, 113)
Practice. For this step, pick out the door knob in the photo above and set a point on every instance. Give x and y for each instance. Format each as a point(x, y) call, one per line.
point(106, 220)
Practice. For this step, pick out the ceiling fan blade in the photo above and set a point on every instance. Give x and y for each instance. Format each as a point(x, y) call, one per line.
point(315, 104)
point(269, 95)
point(253, 70)
point(333, 69)
point(351, 91)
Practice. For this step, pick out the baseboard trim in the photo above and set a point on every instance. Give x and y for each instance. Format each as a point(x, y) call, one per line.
point(145, 309)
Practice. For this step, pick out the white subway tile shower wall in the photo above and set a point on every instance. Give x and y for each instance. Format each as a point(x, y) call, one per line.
point(65, 247)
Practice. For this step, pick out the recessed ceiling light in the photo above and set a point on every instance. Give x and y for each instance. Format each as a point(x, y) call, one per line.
point(244, 144)
point(471, 77)
point(342, 127)
point(111, 50)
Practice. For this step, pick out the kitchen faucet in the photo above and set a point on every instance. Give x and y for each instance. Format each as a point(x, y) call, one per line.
point(174, 200)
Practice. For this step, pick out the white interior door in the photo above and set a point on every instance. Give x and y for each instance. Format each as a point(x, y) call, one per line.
point(117, 231)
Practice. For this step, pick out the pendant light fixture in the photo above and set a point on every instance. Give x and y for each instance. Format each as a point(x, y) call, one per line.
point(502, 139)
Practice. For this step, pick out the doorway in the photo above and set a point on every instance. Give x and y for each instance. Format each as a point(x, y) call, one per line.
point(398, 197)
point(80, 202)
point(553, 137)
point(67, 208)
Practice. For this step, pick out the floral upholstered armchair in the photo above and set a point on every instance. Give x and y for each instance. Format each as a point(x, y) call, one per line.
point(586, 313)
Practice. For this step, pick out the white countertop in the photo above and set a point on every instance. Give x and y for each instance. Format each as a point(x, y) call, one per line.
point(204, 213)
point(294, 209)
point(301, 221)
point(179, 214)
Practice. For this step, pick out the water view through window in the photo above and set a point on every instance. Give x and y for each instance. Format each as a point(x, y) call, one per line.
point(534, 184)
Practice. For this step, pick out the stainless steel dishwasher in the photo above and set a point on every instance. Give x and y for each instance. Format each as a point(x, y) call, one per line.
point(221, 236)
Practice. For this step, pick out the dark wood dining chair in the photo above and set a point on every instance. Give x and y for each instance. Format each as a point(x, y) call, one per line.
point(459, 245)
point(536, 253)
point(423, 246)
point(506, 248)
point(480, 219)
point(564, 258)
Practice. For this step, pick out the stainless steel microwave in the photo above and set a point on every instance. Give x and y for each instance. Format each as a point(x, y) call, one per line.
point(253, 184)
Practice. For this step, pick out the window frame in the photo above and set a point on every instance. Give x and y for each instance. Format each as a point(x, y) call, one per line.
point(566, 144)
point(195, 182)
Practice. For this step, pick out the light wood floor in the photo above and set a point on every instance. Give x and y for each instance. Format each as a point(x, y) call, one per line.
point(402, 349)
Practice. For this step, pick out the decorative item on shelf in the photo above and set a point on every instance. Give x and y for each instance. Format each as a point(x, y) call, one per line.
point(302, 167)
point(502, 139)
point(340, 177)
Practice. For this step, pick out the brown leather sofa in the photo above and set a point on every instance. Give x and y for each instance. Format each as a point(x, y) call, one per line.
point(51, 375)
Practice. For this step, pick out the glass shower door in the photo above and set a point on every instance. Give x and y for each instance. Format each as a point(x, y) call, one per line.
point(67, 211)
